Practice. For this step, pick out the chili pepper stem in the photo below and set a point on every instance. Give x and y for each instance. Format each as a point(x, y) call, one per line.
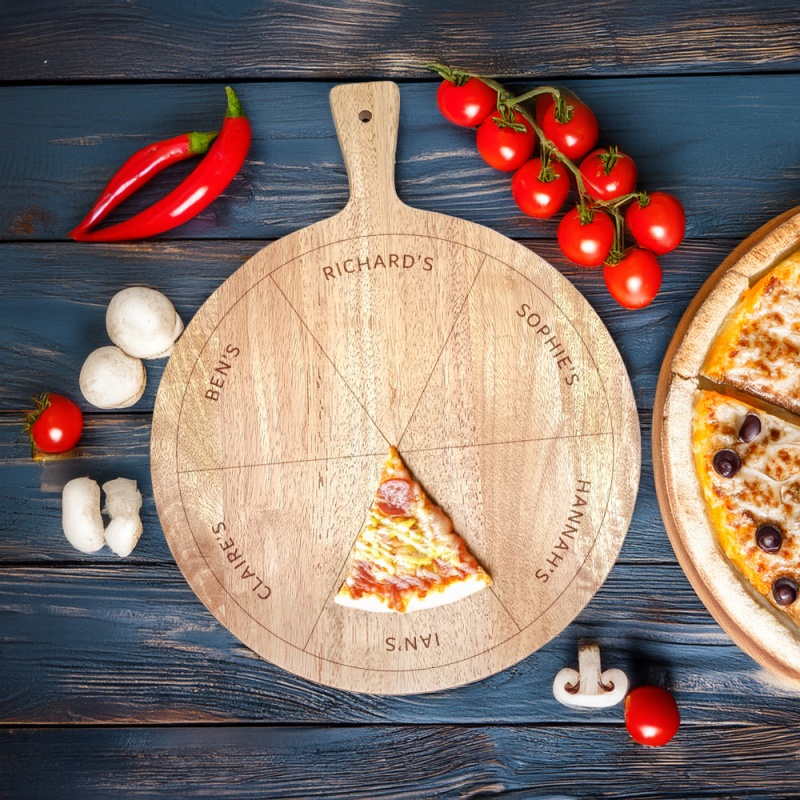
point(234, 106)
point(200, 142)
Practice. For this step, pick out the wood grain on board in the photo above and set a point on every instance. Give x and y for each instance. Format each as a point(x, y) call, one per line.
point(124, 644)
point(386, 325)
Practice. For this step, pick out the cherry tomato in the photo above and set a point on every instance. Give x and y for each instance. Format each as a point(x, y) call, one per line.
point(586, 243)
point(543, 103)
point(55, 425)
point(467, 105)
point(504, 148)
point(576, 137)
point(608, 173)
point(635, 280)
point(659, 224)
point(651, 715)
point(537, 198)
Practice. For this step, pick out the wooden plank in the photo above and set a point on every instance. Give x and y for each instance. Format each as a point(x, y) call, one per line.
point(48, 41)
point(52, 313)
point(118, 445)
point(694, 137)
point(114, 644)
point(52, 308)
point(757, 762)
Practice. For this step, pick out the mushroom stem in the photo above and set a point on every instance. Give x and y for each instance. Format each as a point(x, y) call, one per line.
point(589, 687)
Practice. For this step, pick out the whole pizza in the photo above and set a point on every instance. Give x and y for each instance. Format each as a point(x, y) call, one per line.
point(727, 446)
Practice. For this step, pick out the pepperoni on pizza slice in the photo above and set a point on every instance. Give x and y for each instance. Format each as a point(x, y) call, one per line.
point(407, 556)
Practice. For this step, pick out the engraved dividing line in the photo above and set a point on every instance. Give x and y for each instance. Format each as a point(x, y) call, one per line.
point(322, 349)
point(510, 441)
point(338, 580)
point(503, 605)
point(438, 358)
point(325, 460)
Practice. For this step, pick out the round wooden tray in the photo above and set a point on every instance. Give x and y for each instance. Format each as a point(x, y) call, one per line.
point(769, 637)
point(385, 325)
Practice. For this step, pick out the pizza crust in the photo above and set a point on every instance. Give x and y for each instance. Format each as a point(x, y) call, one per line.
point(436, 597)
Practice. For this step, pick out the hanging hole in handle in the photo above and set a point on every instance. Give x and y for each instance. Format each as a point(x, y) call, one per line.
point(365, 116)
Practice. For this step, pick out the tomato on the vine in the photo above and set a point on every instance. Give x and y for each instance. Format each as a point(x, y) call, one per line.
point(503, 147)
point(536, 197)
point(586, 238)
point(468, 104)
point(576, 137)
point(543, 103)
point(608, 173)
point(651, 715)
point(55, 425)
point(657, 221)
point(635, 280)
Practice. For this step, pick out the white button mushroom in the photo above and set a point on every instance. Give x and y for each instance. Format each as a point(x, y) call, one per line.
point(80, 515)
point(123, 501)
point(588, 687)
point(143, 322)
point(112, 379)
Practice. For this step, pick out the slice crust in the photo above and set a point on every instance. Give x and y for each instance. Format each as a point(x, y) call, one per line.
point(407, 557)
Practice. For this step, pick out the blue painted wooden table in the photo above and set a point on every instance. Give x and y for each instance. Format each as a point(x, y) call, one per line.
point(114, 679)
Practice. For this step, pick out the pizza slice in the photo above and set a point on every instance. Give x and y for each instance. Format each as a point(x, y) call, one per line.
point(407, 556)
point(758, 346)
point(748, 464)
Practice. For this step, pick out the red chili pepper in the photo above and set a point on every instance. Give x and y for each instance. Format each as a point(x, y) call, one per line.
point(140, 168)
point(208, 179)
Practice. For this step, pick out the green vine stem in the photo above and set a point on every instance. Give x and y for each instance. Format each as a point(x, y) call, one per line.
point(507, 104)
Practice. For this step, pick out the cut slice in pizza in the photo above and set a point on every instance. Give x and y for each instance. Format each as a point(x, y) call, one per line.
point(407, 556)
point(748, 465)
point(757, 349)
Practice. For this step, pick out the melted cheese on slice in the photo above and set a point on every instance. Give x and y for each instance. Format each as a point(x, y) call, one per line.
point(758, 346)
point(410, 561)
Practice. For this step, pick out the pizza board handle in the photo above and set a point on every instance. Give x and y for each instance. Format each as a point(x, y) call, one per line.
point(367, 117)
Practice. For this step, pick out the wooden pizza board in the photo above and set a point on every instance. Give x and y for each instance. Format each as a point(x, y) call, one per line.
point(499, 385)
point(768, 636)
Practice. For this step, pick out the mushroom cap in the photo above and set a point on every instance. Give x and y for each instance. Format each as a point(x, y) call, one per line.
point(122, 535)
point(143, 322)
point(123, 499)
point(80, 514)
point(112, 379)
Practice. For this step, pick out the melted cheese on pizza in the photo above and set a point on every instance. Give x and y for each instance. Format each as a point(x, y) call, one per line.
point(764, 491)
point(758, 347)
point(408, 558)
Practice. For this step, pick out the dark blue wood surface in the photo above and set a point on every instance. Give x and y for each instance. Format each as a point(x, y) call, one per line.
point(114, 679)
